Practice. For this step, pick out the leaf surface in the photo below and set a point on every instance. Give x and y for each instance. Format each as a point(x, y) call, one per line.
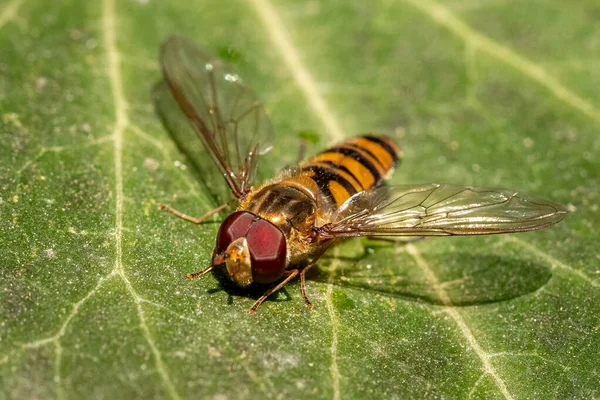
point(94, 302)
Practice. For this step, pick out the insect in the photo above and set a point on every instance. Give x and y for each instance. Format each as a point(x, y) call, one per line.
point(281, 227)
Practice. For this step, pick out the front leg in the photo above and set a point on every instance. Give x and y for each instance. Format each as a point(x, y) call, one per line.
point(290, 274)
point(193, 220)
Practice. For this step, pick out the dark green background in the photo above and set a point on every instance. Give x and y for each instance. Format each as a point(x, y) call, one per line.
point(93, 297)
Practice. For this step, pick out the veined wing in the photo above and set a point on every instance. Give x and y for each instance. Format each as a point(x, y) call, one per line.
point(441, 209)
point(226, 116)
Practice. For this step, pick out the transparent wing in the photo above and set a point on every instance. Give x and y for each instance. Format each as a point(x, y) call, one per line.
point(226, 116)
point(186, 139)
point(441, 209)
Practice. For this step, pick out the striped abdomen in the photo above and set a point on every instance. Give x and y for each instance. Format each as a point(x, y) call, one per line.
point(352, 166)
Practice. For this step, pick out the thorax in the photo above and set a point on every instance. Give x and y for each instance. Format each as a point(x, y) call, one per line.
point(287, 206)
point(292, 204)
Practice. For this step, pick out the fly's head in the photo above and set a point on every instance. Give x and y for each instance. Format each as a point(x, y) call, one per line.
point(251, 248)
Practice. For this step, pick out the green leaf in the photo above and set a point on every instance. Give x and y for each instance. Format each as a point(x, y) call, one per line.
point(94, 302)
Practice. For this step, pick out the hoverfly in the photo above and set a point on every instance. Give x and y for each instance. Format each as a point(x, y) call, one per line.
point(282, 227)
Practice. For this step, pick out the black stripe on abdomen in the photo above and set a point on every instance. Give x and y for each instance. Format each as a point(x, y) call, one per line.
point(323, 175)
point(335, 165)
point(355, 154)
point(384, 145)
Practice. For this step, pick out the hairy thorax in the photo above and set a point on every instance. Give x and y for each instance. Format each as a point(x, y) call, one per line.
point(293, 209)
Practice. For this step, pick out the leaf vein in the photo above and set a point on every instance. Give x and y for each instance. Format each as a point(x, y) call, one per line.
point(167, 309)
point(476, 385)
point(10, 11)
point(278, 34)
point(488, 368)
point(121, 123)
point(55, 339)
point(532, 355)
point(445, 17)
point(554, 263)
point(333, 368)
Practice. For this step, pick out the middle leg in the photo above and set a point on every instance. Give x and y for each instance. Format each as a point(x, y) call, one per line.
point(291, 274)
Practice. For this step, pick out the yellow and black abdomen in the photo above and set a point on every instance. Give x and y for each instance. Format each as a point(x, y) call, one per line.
point(352, 166)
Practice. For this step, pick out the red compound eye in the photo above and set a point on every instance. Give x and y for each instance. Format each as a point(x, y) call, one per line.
point(267, 250)
point(266, 244)
point(235, 226)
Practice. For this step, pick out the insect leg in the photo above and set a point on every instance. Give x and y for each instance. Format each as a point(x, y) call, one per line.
point(218, 260)
point(198, 274)
point(303, 285)
point(305, 270)
point(193, 220)
point(291, 274)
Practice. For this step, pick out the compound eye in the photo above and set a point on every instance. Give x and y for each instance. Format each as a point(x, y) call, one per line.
point(267, 250)
point(235, 226)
